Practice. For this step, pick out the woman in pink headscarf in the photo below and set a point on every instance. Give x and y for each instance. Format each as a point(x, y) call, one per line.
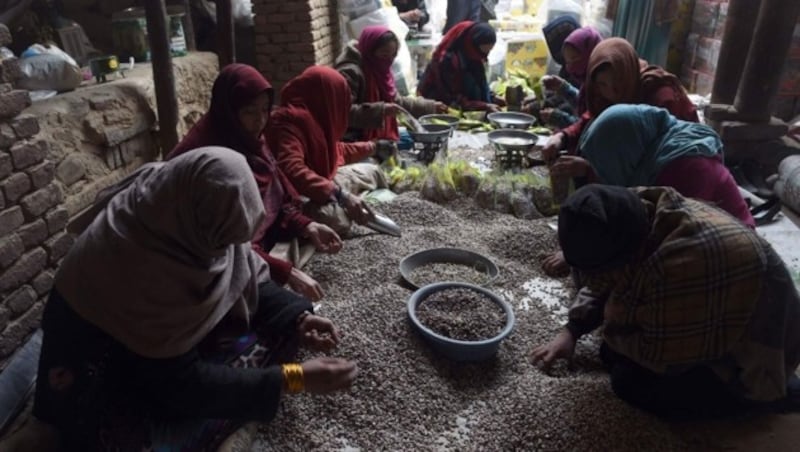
point(366, 64)
point(569, 102)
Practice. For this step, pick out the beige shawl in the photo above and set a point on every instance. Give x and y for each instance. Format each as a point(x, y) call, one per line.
point(168, 253)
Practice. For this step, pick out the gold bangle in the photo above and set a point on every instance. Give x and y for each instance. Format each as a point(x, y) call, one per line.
point(293, 380)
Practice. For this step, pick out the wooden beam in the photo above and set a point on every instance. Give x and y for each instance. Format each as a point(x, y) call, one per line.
point(226, 43)
point(188, 27)
point(163, 76)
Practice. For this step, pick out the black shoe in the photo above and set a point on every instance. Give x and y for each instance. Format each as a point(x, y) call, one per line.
point(767, 212)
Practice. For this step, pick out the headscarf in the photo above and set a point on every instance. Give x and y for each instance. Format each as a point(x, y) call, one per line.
point(584, 40)
point(379, 78)
point(600, 227)
point(235, 87)
point(168, 255)
point(689, 295)
point(624, 62)
point(556, 33)
point(629, 145)
point(464, 41)
point(314, 107)
point(378, 71)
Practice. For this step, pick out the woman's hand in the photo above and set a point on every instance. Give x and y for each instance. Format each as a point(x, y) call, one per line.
point(440, 107)
point(325, 239)
point(305, 285)
point(553, 145)
point(493, 108)
point(552, 82)
point(555, 265)
point(357, 209)
point(390, 109)
point(317, 333)
point(570, 166)
point(412, 16)
point(545, 114)
point(561, 347)
point(324, 375)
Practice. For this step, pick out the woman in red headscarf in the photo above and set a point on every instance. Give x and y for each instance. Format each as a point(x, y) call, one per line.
point(306, 132)
point(456, 74)
point(241, 100)
point(367, 66)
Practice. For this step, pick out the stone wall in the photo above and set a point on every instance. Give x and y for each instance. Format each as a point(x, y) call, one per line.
point(56, 155)
point(292, 35)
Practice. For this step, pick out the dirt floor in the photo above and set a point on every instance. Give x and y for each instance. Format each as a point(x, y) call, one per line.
point(409, 398)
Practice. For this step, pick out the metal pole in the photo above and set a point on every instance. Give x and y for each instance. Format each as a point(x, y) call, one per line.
point(163, 76)
point(226, 50)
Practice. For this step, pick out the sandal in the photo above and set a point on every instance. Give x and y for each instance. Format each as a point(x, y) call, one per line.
point(767, 212)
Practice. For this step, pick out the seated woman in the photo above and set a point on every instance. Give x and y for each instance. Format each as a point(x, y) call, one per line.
point(456, 74)
point(306, 132)
point(569, 101)
point(616, 75)
point(164, 267)
point(640, 145)
point(367, 66)
point(241, 101)
point(698, 311)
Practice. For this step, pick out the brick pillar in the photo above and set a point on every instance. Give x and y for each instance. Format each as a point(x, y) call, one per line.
point(292, 35)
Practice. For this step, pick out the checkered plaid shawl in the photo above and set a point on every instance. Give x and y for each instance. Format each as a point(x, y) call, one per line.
point(690, 296)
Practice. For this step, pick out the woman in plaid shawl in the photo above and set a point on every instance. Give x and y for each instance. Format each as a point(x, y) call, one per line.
point(698, 312)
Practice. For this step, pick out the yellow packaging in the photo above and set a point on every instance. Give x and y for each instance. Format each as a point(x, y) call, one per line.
point(528, 55)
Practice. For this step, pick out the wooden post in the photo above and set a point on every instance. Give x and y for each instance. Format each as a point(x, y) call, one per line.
point(768, 50)
point(163, 76)
point(188, 27)
point(739, 27)
point(226, 44)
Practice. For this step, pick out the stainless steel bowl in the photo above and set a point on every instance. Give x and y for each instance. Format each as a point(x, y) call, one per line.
point(511, 120)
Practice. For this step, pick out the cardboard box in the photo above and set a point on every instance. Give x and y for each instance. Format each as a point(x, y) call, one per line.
point(530, 55)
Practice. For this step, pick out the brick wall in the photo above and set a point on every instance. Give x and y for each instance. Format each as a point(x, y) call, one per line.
point(32, 219)
point(56, 155)
point(292, 35)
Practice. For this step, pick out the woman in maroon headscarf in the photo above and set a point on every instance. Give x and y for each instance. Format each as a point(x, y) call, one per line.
point(570, 98)
point(456, 74)
point(241, 100)
point(306, 132)
point(367, 66)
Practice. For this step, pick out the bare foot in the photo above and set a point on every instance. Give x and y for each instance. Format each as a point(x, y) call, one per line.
point(555, 265)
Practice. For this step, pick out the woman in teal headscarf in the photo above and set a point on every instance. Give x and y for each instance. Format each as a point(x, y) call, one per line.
point(641, 145)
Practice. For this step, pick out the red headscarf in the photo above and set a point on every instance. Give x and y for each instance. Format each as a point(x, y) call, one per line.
point(314, 107)
point(465, 37)
point(379, 78)
point(235, 87)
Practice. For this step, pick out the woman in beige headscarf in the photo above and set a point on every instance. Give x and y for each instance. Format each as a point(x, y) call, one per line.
point(164, 266)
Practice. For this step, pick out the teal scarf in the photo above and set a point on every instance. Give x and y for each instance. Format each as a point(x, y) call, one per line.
point(629, 145)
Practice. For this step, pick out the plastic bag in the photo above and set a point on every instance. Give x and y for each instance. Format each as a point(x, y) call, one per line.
point(438, 185)
point(49, 72)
